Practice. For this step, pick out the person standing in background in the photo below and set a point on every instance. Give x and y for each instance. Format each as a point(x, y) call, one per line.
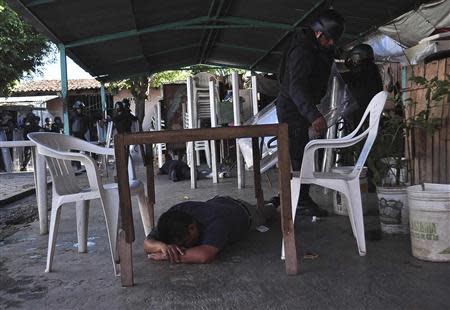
point(79, 121)
point(31, 125)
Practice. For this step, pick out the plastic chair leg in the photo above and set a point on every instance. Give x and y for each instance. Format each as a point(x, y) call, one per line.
point(295, 194)
point(356, 215)
point(350, 213)
point(208, 154)
point(189, 154)
point(147, 212)
point(82, 213)
point(55, 218)
point(110, 204)
point(197, 157)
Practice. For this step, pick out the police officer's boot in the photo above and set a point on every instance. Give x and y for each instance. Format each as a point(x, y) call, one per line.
point(306, 206)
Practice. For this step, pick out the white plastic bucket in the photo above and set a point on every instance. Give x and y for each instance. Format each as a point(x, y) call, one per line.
point(340, 202)
point(393, 207)
point(429, 218)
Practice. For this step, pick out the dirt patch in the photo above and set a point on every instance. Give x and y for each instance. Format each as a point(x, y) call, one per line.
point(14, 216)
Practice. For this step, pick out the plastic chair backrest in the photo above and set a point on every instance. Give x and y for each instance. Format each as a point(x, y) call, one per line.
point(100, 131)
point(109, 133)
point(57, 151)
point(185, 120)
point(202, 79)
point(373, 111)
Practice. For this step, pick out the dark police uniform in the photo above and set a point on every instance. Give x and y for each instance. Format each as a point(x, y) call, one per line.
point(304, 74)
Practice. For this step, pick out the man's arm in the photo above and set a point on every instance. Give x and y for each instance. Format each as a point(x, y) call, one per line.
point(158, 250)
point(200, 254)
point(153, 246)
point(301, 66)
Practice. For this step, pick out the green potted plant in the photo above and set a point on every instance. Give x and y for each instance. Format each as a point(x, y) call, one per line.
point(423, 121)
point(388, 168)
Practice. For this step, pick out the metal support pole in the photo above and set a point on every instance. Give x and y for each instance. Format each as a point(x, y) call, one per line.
point(64, 87)
point(254, 95)
point(103, 99)
point(190, 145)
point(237, 122)
point(158, 127)
point(328, 156)
point(212, 102)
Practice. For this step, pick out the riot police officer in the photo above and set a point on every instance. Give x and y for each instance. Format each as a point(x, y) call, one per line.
point(79, 121)
point(363, 81)
point(31, 124)
point(303, 75)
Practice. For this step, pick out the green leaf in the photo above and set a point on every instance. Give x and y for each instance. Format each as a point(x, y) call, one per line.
point(22, 49)
point(418, 80)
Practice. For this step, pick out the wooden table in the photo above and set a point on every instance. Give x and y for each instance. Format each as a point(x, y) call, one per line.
point(147, 139)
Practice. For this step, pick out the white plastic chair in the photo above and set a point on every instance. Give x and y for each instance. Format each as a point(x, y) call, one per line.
point(202, 145)
point(136, 186)
point(347, 184)
point(57, 150)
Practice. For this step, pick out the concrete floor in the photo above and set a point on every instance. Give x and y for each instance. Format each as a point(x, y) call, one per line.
point(247, 275)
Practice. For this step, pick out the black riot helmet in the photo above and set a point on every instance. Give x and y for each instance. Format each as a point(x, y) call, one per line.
point(78, 105)
point(330, 23)
point(119, 105)
point(360, 54)
point(126, 103)
point(359, 57)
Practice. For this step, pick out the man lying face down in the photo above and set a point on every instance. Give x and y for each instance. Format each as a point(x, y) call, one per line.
point(196, 231)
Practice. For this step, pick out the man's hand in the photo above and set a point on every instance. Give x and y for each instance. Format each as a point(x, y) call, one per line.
point(320, 125)
point(157, 256)
point(172, 253)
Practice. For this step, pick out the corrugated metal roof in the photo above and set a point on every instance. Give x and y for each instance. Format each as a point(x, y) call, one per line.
point(55, 85)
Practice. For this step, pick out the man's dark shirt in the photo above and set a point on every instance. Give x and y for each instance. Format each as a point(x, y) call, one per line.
point(29, 128)
point(363, 85)
point(176, 169)
point(58, 128)
point(80, 123)
point(304, 76)
point(123, 121)
point(221, 221)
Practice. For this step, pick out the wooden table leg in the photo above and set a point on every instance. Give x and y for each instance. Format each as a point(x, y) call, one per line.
point(257, 173)
point(150, 174)
point(126, 214)
point(287, 223)
point(126, 260)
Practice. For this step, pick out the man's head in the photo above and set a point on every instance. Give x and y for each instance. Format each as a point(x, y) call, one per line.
point(126, 103)
point(359, 55)
point(328, 28)
point(119, 107)
point(30, 116)
point(177, 227)
point(78, 106)
point(57, 120)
